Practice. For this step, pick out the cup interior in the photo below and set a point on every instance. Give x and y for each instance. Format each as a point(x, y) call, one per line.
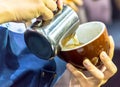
point(85, 34)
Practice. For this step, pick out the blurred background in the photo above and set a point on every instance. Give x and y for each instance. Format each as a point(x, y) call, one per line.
point(107, 11)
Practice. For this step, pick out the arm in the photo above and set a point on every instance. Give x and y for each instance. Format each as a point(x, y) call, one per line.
point(24, 10)
point(5, 13)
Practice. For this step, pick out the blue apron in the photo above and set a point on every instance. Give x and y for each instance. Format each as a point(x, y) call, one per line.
point(20, 68)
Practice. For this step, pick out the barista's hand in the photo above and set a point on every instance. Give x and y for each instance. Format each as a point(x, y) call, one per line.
point(74, 3)
point(24, 10)
point(94, 77)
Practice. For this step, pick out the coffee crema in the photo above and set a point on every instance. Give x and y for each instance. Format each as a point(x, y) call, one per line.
point(70, 42)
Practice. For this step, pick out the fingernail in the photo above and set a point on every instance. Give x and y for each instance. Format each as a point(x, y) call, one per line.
point(86, 62)
point(103, 55)
point(60, 4)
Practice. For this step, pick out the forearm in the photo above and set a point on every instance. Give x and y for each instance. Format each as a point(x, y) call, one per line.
point(5, 12)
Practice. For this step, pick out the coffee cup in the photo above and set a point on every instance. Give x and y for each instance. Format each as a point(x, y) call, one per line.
point(88, 41)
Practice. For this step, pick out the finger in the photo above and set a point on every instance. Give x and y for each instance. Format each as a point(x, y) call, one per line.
point(72, 5)
point(93, 70)
point(79, 75)
point(51, 4)
point(46, 13)
point(111, 68)
point(103, 68)
point(78, 2)
point(112, 45)
point(60, 4)
point(28, 23)
point(55, 0)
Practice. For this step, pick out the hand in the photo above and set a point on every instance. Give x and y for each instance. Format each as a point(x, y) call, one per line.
point(74, 3)
point(25, 10)
point(94, 77)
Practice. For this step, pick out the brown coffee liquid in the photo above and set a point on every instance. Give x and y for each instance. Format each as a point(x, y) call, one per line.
point(70, 42)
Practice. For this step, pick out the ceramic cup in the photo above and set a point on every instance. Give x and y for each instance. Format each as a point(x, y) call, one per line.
point(93, 39)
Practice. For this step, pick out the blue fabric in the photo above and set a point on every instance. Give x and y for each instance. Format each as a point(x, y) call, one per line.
point(20, 68)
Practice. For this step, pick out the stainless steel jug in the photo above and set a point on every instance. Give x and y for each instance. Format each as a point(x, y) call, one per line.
point(43, 41)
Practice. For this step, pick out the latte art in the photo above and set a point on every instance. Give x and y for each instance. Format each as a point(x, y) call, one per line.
point(70, 42)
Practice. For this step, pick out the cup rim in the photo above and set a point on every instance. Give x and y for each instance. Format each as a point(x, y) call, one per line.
point(77, 47)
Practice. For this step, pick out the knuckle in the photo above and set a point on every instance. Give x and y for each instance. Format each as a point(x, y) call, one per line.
point(49, 17)
point(97, 73)
point(54, 7)
point(74, 71)
point(100, 77)
point(51, 5)
point(114, 70)
point(41, 8)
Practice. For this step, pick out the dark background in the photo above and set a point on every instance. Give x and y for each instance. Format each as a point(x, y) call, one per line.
point(114, 30)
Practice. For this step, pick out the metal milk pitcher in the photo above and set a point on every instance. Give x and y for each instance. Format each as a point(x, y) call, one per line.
point(43, 41)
